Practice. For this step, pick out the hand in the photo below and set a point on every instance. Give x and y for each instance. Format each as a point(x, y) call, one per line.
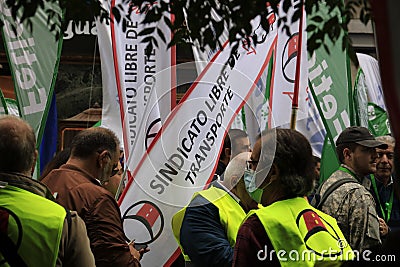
point(136, 254)
point(143, 251)
point(383, 228)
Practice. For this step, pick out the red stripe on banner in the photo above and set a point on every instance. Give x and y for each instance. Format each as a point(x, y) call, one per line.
point(118, 81)
point(173, 258)
point(148, 212)
point(298, 63)
point(173, 70)
point(271, 89)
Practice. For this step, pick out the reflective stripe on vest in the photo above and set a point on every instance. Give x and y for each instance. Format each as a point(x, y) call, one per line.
point(176, 222)
point(231, 214)
point(304, 234)
point(34, 225)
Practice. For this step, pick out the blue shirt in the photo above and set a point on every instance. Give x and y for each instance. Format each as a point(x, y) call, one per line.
point(203, 237)
point(384, 197)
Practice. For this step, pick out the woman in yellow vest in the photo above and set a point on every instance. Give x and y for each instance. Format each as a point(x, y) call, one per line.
point(287, 231)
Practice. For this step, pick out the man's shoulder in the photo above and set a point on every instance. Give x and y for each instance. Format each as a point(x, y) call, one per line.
point(70, 179)
point(70, 185)
point(351, 190)
point(337, 176)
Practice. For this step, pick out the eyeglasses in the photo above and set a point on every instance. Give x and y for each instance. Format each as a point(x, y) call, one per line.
point(115, 170)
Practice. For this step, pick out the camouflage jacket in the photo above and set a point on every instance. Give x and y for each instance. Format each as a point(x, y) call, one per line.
point(353, 206)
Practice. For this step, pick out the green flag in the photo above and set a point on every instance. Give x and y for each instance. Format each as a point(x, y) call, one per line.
point(329, 83)
point(33, 54)
point(378, 121)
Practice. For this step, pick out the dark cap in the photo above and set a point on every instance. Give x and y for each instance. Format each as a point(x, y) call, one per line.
point(360, 136)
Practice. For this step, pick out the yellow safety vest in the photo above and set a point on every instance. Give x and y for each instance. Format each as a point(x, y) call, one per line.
point(231, 215)
point(34, 226)
point(302, 235)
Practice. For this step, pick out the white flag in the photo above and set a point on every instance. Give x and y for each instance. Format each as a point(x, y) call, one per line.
point(132, 80)
point(184, 156)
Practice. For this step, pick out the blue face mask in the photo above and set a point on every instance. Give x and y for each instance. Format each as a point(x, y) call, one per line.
point(250, 183)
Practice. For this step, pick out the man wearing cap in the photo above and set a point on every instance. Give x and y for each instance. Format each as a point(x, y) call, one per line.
point(351, 204)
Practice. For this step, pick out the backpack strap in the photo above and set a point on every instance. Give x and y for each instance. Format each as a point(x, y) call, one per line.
point(317, 203)
point(69, 220)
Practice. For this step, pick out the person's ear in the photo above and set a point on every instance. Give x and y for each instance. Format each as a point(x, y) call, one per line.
point(346, 153)
point(273, 173)
point(103, 158)
point(35, 156)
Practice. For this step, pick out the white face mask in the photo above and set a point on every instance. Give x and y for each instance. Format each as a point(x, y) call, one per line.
point(250, 184)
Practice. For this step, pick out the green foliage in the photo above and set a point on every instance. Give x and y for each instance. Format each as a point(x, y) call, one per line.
point(201, 27)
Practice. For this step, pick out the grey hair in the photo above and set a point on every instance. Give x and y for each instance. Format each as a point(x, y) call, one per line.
point(387, 139)
point(17, 145)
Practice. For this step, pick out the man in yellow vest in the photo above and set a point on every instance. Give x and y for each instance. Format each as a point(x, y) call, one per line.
point(34, 230)
point(206, 229)
point(287, 231)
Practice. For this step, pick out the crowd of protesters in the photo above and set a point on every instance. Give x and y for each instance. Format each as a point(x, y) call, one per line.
point(265, 207)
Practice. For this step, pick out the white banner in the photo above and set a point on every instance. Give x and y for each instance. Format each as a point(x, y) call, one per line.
point(275, 89)
point(128, 86)
point(256, 110)
point(111, 115)
point(370, 67)
point(282, 91)
point(184, 156)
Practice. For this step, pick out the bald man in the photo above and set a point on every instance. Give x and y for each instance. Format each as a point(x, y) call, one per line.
point(206, 229)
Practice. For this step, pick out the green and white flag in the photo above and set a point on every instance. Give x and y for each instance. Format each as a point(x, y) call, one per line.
point(370, 109)
point(33, 57)
point(8, 106)
point(329, 83)
point(12, 107)
point(378, 121)
point(361, 100)
point(367, 113)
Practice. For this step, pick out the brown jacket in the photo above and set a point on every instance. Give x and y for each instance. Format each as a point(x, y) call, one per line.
point(77, 190)
point(74, 245)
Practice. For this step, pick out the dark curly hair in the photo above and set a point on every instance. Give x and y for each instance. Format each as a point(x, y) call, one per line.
point(293, 157)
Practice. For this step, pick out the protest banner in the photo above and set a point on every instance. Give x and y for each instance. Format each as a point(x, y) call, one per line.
point(136, 79)
point(183, 156)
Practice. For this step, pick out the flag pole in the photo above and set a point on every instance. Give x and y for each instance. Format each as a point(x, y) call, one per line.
point(295, 101)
